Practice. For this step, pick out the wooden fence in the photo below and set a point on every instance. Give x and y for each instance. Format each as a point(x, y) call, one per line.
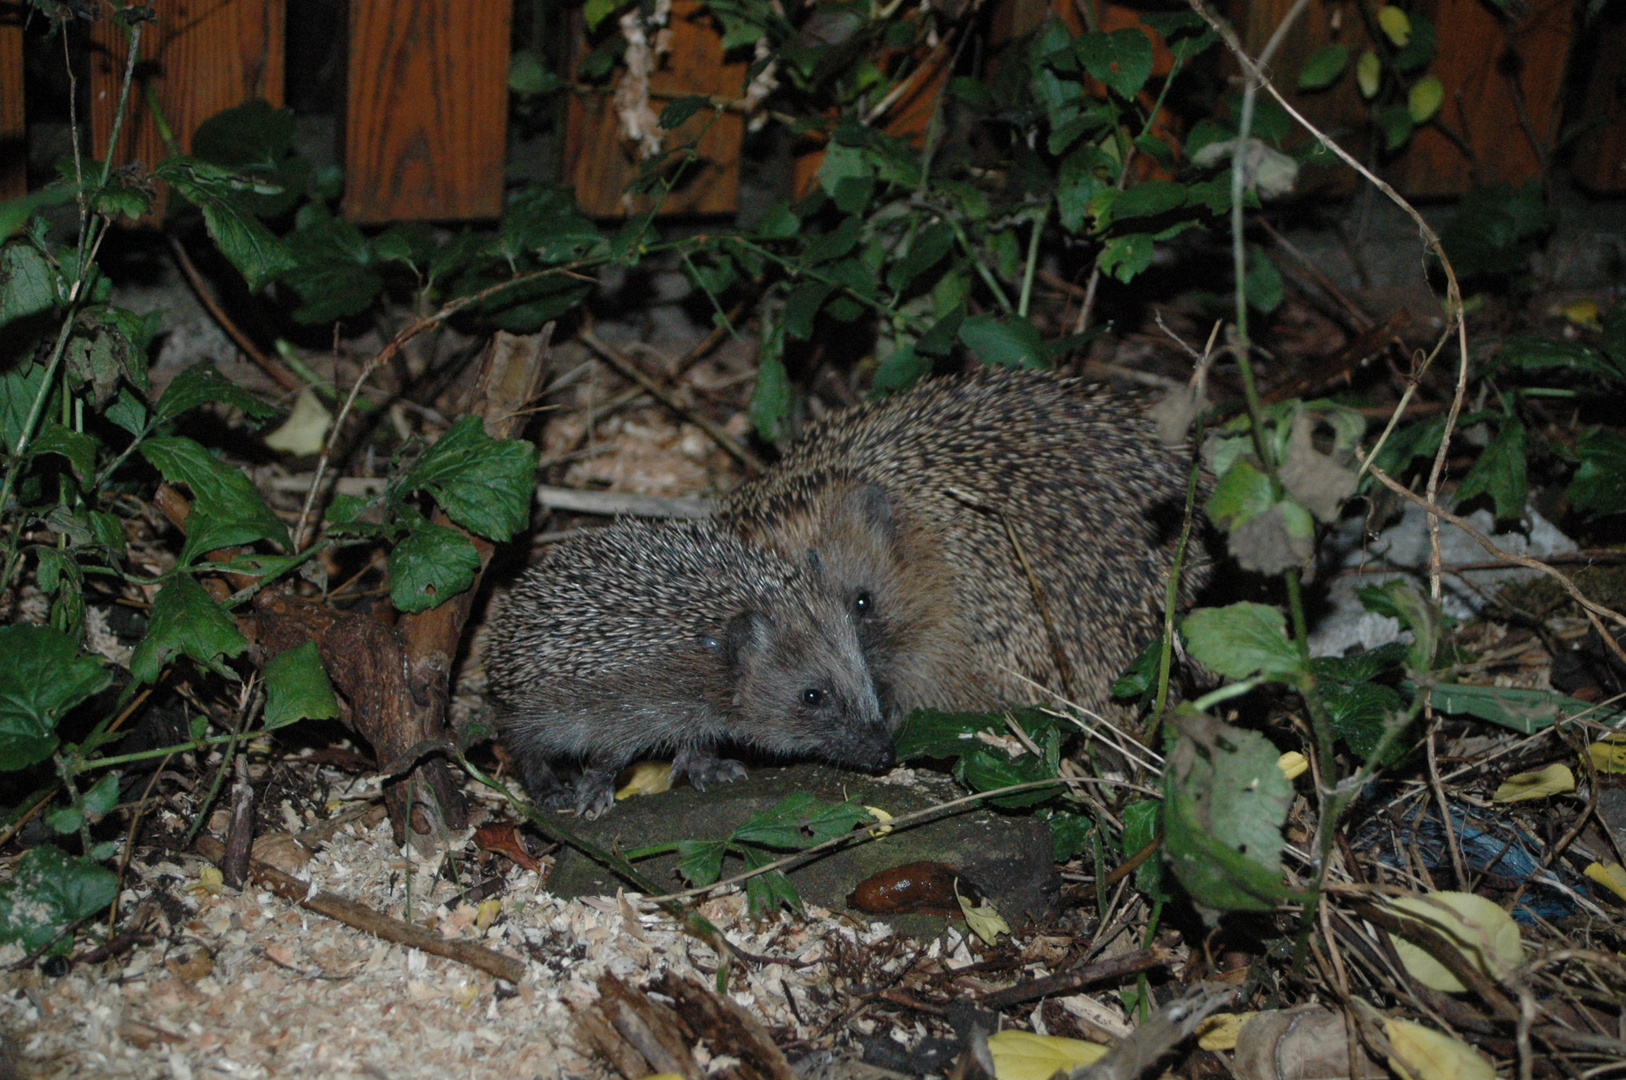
point(425, 105)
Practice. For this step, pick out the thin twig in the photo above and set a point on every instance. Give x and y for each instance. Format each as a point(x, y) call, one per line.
point(200, 288)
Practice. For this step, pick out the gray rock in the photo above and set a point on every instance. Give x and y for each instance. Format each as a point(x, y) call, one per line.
point(1007, 858)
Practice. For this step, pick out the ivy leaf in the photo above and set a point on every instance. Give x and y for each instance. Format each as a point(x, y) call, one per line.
point(48, 891)
point(297, 687)
point(483, 484)
point(42, 677)
point(1243, 640)
point(203, 382)
point(1012, 342)
point(186, 622)
point(1597, 487)
point(431, 566)
point(226, 508)
point(1500, 473)
point(1122, 59)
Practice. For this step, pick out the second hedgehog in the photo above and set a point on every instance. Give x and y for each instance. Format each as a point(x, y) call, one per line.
point(675, 638)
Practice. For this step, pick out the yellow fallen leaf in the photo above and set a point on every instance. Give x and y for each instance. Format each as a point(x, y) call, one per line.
point(1608, 754)
point(648, 778)
point(1611, 876)
point(1219, 1031)
point(1396, 25)
point(1553, 780)
point(1583, 313)
point(210, 881)
point(305, 429)
point(1478, 927)
point(881, 816)
point(985, 921)
point(487, 913)
point(1022, 1055)
point(1367, 71)
point(1420, 1053)
point(1293, 764)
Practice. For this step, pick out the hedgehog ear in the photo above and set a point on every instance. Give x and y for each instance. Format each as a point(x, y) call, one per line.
point(872, 506)
point(747, 633)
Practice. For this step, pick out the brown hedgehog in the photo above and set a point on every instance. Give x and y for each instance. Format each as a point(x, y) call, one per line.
point(675, 638)
point(912, 503)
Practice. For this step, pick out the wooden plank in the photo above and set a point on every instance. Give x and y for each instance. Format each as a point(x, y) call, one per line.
point(202, 56)
point(1600, 151)
point(1487, 68)
point(600, 161)
point(13, 124)
point(426, 109)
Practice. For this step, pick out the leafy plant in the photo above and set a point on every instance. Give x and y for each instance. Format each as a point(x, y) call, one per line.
point(1391, 74)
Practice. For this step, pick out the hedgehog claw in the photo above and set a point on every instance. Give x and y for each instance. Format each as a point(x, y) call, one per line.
point(704, 768)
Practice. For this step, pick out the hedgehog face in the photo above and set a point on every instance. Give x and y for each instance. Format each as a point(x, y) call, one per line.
point(802, 687)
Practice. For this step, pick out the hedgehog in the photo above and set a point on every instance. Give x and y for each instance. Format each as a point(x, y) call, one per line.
point(995, 535)
point(675, 638)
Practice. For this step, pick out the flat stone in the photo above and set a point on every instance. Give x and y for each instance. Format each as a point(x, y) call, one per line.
point(1005, 857)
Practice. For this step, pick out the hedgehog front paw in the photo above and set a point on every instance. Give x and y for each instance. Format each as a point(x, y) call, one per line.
point(595, 790)
point(703, 768)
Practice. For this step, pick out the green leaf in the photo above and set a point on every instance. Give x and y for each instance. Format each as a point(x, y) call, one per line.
point(1396, 124)
point(803, 305)
point(1146, 199)
point(256, 140)
point(1532, 352)
point(678, 112)
point(258, 256)
point(1524, 711)
point(799, 821)
point(1599, 484)
point(64, 820)
point(1399, 599)
point(1224, 804)
point(14, 213)
point(18, 388)
point(49, 891)
point(928, 733)
point(528, 76)
point(1360, 714)
point(1142, 819)
point(1242, 494)
point(226, 508)
point(1424, 98)
point(766, 892)
point(1012, 342)
point(483, 484)
point(1496, 228)
point(547, 222)
point(297, 688)
point(1263, 282)
point(1500, 473)
point(203, 382)
point(901, 369)
point(701, 861)
point(1069, 834)
point(984, 768)
point(77, 447)
point(836, 243)
point(42, 677)
point(1122, 59)
point(771, 397)
point(1323, 67)
point(1081, 178)
point(103, 797)
point(1125, 257)
point(1139, 680)
point(926, 250)
point(28, 282)
point(331, 268)
point(1243, 640)
point(431, 566)
point(186, 622)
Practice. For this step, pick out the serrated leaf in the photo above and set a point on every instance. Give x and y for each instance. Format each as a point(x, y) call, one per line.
point(1142, 821)
point(800, 821)
point(431, 566)
point(766, 892)
point(1125, 257)
point(202, 383)
point(1424, 98)
point(227, 510)
point(78, 448)
point(28, 282)
point(297, 687)
point(1243, 493)
point(186, 622)
point(1597, 487)
point(64, 820)
point(48, 891)
point(1485, 935)
point(1243, 640)
point(1533, 352)
point(701, 861)
point(1014, 342)
point(42, 676)
point(483, 484)
point(1323, 67)
point(1122, 59)
point(248, 244)
point(330, 269)
point(1500, 473)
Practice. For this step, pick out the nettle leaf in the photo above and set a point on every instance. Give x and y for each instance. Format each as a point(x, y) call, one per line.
point(1243, 493)
point(18, 388)
point(28, 282)
point(49, 891)
point(297, 687)
point(1360, 712)
point(984, 768)
point(1082, 177)
point(42, 676)
point(256, 140)
point(431, 566)
point(331, 268)
point(1122, 59)
point(1500, 473)
point(1012, 342)
point(483, 484)
point(258, 256)
point(1243, 640)
point(186, 622)
point(76, 446)
point(201, 383)
point(1599, 484)
point(1224, 804)
point(546, 222)
point(226, 508)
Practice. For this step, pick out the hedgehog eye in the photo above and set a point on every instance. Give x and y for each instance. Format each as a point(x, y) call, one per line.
point(864, 604)
point(813, 697)
point(711, 644)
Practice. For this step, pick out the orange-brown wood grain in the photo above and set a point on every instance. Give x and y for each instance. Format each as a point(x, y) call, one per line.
point(201, 55)
point(600, 161)
point(426, 109)
point(1487, 64)
point(13, 127)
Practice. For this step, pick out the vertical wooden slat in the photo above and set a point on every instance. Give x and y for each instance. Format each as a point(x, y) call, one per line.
point(13, 126)
point(426, 109)
point(1600, 152)
point(1480, 57)
point(600, 162)
point(202, 55)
